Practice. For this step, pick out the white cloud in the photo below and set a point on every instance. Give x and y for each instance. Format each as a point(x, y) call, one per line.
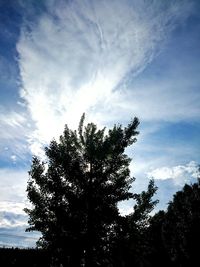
point(13, 198)
point(12, 207)
point(13, 185)
point(13, 220)
point(10, 220)
point(74, 57)
point(180, 174)
point(14, 158)
point(125, 208)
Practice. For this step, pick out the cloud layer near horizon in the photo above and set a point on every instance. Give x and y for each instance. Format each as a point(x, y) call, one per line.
point(75, 58)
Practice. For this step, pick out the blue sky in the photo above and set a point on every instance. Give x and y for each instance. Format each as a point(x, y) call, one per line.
point(113, 60)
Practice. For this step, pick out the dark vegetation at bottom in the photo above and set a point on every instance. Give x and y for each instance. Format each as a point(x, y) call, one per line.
point(24, 257)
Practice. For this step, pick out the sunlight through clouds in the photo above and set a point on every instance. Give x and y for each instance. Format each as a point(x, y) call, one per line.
point(73, 58)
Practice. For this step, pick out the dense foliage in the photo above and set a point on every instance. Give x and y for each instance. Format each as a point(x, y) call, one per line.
point(175, 234)
point(76, 192)
point(75, 196)
point(181, 228)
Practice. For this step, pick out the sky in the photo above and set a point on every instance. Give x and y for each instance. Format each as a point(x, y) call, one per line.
point(113, 60)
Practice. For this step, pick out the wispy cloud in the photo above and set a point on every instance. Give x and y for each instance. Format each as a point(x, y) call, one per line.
point(12, 123)
point(162, 101)
point(15, 129)
point(75, 57)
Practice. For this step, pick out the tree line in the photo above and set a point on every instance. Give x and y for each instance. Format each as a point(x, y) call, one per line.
point(75, 194)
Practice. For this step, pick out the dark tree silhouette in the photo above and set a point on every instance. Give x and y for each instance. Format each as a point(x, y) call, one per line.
point(16, 257)
point(174, 234)
point(158, 255)
point(76, 191)
point(181, 229)
point(132, 246)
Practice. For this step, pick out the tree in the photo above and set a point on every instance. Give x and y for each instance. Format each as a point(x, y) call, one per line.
point(158, 255)
point(139, 222)
point(180, 229)
point(132, 245)
point(76, 191)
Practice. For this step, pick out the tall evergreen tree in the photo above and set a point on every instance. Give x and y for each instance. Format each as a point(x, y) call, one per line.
point(76, 191)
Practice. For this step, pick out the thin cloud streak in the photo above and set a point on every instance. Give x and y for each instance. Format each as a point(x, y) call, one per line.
point(15, 129)
point(74, 58)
